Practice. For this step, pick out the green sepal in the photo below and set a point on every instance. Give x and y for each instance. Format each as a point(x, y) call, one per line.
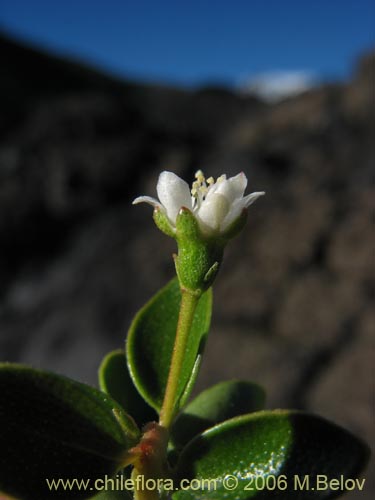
point(163, 223)
point(55, 428)
point(115, 380)
point(151, 339)
point(199, 257)
point(199, 254)
point(279, 445)
point(214, 405)
point(187, 226)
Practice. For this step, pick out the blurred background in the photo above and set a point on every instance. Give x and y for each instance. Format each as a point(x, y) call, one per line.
point(98, 97)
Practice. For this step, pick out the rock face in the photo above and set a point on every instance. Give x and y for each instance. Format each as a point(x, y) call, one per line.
point(293, 300)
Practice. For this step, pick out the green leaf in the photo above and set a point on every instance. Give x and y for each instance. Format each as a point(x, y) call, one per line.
point(151, 339)
point(115, 380)
point(55, 428)
point(214, 405)
point(266, 450)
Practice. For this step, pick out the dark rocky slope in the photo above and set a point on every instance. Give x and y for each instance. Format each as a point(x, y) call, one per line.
point(293, 301)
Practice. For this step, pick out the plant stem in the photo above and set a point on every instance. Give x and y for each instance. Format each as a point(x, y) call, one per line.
point(188, 304)
point(150, 462)
point(143, 494)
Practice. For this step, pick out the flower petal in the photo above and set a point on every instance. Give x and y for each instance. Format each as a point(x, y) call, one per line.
point(173, 193)
point(213, 211)
point(250, 198)
point(147, 199)
point(232, 188)
point(237, 207)
point(238, 184)
point(234, 212)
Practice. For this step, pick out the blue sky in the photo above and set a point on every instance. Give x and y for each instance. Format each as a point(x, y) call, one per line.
point(197, 42)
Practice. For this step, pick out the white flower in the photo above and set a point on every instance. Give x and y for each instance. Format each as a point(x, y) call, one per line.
point(214, 204)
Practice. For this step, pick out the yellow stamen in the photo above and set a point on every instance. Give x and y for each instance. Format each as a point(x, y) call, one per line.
point(199, 175)
point(201, 185)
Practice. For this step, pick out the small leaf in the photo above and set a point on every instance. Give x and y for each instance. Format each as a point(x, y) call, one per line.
point(214, 405)
point(151, 339)
point(279, 445)
point(115, 380)
point(55, 428)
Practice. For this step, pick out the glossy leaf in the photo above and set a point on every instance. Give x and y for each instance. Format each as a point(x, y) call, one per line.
point(214, 405)
point(115, 380)
point(151, 339)
point(271, 444)
point(55, 428)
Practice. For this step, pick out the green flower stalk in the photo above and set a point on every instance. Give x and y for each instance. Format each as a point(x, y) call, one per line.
point(202, 220)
